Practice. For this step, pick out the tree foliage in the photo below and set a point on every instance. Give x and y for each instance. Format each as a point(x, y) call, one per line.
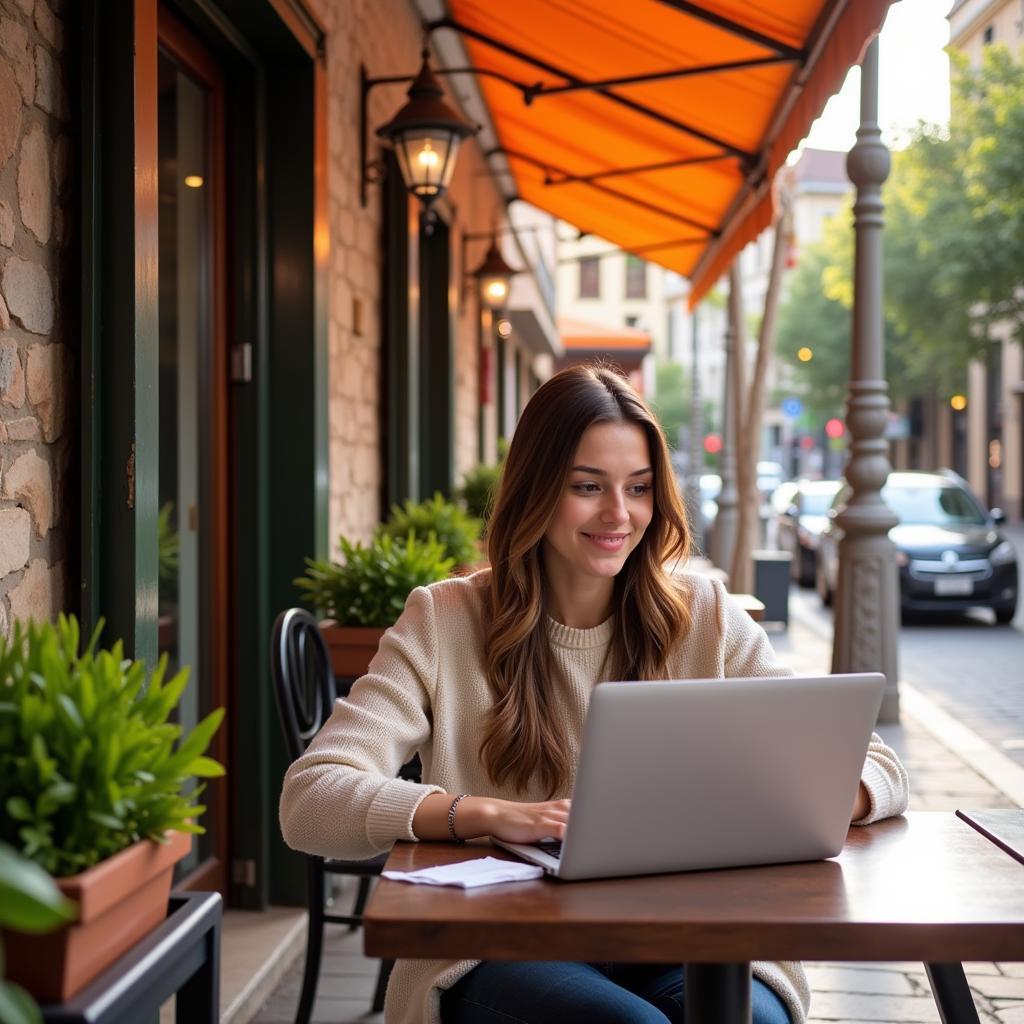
point(671, 399)
point(953, 251)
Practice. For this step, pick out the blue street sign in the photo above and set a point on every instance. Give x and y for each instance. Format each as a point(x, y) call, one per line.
point(792, 407)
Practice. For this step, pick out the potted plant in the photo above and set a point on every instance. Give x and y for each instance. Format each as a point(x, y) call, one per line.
point(94, 789)
point(362, 595)
point(30, 902)
point(457, 530)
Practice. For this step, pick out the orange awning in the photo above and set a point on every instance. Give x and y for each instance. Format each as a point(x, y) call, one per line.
point(672, 156)
point(579, 334)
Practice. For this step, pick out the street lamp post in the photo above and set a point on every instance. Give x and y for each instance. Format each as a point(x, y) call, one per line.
point(867, 594)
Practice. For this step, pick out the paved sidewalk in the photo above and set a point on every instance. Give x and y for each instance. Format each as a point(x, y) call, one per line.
point(850, 993)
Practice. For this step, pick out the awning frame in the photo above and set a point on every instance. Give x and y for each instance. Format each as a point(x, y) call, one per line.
point(751, 207)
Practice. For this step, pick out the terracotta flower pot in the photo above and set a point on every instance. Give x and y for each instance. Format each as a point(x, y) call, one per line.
point(119, 900)
point(351, 647)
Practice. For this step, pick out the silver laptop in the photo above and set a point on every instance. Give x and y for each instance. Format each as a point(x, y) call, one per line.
point(713, 773)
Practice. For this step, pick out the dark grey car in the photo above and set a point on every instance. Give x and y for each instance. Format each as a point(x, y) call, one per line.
point(950, 551)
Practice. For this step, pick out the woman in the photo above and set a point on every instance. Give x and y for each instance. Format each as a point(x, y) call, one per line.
point(488, 677)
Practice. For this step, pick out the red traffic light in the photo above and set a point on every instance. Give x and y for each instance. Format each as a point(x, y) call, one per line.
point(712, 444)
point(835, 428)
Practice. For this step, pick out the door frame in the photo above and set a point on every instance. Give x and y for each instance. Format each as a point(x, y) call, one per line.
point(276, 420)
point(187, 50)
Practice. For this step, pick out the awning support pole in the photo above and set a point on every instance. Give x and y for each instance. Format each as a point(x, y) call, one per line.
point(867, 602)
point(723, 531)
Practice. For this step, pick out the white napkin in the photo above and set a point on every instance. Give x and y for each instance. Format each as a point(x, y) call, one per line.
point(468, 874)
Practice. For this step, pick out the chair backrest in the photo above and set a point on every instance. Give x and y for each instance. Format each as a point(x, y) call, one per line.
point(303, 680)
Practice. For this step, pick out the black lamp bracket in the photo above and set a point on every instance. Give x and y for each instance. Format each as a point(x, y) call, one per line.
point(372, 171)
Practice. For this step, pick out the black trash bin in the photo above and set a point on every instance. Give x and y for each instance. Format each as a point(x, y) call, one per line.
point(771, 584)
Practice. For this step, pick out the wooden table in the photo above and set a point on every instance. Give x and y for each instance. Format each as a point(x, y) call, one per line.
point(751, 605)
point(924, 887)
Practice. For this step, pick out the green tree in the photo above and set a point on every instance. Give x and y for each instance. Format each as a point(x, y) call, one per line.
point(953, 251)
point(810, 317)
point(987, 133)
point(671, 399)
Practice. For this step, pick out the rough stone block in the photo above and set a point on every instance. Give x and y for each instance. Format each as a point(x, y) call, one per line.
point(29, 294)
point(12, 377)
point(49, 26)
point(848, 979)
point(49, 84)
point(35, 193)
point(14, 42)
point(26, 6)
point(849, 1007)
point(15, 537)
point(29, 482)
point(6, 213)
point(26, 428)
point(996, 986)
point(47, 384)
point(10, 123)
point(39, 595)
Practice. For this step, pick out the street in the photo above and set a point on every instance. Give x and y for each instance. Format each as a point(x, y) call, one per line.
point(971, 668)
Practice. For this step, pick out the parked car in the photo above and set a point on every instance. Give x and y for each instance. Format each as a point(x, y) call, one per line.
point(800, 521)
point(950, 551)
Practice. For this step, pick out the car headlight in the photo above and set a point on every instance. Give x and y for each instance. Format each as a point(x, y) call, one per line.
point(1002, 554)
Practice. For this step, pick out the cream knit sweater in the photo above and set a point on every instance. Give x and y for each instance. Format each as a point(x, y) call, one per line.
point(426, 692)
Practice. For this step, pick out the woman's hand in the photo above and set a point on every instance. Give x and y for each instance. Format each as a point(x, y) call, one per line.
point(478, 816)
point(521, 823)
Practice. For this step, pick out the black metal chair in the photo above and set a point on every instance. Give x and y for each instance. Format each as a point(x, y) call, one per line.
point(304, 687)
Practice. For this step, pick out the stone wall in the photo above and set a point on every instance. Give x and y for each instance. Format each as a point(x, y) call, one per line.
point(385, 36)
point(37, 295)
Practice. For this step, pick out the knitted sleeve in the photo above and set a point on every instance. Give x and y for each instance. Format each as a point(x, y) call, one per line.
point(341, 797)
point(886, 781)
point(747, 650)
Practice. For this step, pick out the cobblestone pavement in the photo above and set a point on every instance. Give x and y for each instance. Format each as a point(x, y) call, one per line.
point(849, 993)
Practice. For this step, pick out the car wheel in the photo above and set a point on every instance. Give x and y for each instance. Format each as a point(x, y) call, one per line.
point(822, 587)
point(1004, 616)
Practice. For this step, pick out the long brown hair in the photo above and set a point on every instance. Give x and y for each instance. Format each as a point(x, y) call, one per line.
point(524, 740)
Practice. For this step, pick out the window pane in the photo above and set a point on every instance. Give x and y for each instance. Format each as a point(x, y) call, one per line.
point(636, 278)
point(590, 277)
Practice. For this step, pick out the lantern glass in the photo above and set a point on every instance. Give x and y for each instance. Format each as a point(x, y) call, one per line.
point(426, 157)
point(494, 291)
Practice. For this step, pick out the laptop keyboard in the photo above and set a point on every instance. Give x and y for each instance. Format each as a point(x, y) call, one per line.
point(552, 847)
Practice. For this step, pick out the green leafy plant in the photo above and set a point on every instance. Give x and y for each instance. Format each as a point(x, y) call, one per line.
point(370, 587)
point(168, 545)
point(89, 763)
point(457, 531)
point(29, 902)
point(480, 485)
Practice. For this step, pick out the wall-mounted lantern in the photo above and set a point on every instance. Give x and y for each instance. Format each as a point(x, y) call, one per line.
point(493, 277)
point(426, 134)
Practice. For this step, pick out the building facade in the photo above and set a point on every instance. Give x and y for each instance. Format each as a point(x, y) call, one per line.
point(228, 335)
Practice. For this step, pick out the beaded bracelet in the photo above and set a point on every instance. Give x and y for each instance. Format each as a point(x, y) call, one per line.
point(451, 818)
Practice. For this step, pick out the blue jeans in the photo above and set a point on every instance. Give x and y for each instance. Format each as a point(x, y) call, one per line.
point(570, 993)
